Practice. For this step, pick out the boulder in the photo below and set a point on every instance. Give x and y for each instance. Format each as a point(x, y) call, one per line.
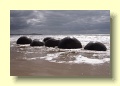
point(69, 43)
point(36, 42)
point(98, 46)
point(47, 38)
point(24, 40)
point(52, 42)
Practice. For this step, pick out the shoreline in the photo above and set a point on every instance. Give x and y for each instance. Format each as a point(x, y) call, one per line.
point(21, 66)
point(44, 61)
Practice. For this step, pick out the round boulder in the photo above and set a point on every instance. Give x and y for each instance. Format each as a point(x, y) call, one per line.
point(47, 38)
point(89, 46)
point(52, 42)
point(24, 40)
point(98, 46)
point(69, 43)
point(36, 42)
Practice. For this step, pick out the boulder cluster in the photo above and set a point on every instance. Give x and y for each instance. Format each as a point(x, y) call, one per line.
point(65, 43)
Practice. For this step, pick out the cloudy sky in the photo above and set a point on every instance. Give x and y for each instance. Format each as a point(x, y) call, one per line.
point(60, 21)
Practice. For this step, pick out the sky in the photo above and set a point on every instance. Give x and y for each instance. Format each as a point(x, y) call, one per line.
point(60, 22)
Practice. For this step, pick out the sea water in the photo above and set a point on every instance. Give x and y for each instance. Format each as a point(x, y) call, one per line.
point(56, 55)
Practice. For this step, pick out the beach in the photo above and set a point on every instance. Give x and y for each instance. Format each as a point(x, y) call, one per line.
point(47, 61)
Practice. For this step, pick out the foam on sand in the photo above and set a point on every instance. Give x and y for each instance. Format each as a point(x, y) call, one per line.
point(77, 60)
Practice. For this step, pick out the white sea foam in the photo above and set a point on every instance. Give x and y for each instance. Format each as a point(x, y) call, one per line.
point(78, 59)
point(82, 59)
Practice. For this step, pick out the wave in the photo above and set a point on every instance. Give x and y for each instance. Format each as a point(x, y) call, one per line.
point(73, 56)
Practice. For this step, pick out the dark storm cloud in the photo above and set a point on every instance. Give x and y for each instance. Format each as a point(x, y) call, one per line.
point(60, 22)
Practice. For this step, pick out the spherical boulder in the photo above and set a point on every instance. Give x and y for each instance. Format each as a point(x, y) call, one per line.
point(36, 42)
point(69, 43)
point(89, 46)
point(52, 42)
point(24, 40)
point(98, 46)
point(47, 38)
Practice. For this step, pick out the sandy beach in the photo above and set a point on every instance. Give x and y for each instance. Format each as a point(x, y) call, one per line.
point(20, 66)
point(45, 68)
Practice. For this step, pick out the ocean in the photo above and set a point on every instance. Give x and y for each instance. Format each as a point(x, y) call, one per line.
point(48, 61)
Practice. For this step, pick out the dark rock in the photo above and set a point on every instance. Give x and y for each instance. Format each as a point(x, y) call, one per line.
point(69, 43)
point(47, 38)
point(95, 46)
point(36, 42)
point(52, 42)
point(24, 40)
point(89, 46)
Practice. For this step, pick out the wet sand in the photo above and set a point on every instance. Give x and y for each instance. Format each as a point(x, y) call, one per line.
point(41, 67)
